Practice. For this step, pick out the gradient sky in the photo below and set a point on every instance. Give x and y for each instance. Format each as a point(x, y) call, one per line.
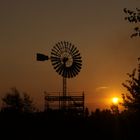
point(96, 27)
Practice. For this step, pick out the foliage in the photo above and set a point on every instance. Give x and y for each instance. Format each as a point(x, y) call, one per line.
point(18, 102)
point(133, 17)
point(131, 100)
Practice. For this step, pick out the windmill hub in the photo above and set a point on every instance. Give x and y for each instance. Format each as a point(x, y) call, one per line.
point(64, 60)
point(67, 61)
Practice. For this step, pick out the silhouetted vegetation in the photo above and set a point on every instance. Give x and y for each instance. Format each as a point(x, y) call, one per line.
point(14, 101)
point(133, 16)
point(131, 100)
point(99, 124)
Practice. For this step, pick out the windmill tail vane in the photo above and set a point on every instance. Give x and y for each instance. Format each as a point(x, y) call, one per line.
point(41, 57)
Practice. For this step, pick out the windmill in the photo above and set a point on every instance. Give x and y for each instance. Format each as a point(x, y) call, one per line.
point(67, 62)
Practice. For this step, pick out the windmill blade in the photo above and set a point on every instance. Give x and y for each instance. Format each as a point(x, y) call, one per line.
point(75, 53)
point(60, 69)
point(77, 58)
point(59, 47)
point(73, 49)
point(55, 52)
point(66, 44)
point(55, 59)
point(56, 63)
point(57, 66)
point(77, 68)
point(63, 45)
point(78, 65)
point(73, 72)
point(69, 47)
point(78, 61)
point(56, 49)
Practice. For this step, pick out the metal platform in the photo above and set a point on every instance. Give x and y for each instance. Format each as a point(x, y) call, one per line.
point(74, 102)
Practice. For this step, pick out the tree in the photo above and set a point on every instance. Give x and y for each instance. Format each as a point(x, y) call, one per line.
point(12, 101)
point(115, 109)
point(17, 102)
point(133, 16)
point(131, 100)
point(27, 103)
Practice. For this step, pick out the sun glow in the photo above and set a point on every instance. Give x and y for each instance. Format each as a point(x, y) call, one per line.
point(115, 100)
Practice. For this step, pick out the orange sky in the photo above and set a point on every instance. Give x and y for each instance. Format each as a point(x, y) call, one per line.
point(96, 27)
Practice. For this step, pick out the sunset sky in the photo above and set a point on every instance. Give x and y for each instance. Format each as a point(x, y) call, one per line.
point(96, 27)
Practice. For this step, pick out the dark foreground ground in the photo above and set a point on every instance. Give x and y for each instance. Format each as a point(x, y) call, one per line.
point(69, 126)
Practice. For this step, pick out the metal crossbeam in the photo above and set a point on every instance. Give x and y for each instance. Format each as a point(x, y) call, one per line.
point(64, 98)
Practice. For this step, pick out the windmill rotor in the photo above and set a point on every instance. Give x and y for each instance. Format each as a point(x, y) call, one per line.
point(66, 59)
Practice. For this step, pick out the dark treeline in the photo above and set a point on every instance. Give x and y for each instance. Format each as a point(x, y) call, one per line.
point(97, 124)
point(19, 117)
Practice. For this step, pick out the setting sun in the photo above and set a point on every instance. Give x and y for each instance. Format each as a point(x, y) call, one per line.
point(115, 100)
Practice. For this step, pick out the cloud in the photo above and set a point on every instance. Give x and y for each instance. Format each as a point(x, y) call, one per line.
point(102, 88)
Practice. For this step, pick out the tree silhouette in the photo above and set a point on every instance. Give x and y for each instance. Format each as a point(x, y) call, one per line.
point(133, 17)
point(131, 100)
point(27, 103)
point(15, 102)
point(115, 109)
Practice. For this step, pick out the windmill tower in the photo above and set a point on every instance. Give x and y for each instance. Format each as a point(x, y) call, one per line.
point(67, 62)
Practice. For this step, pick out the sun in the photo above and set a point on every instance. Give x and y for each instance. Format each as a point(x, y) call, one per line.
point(115, 100)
